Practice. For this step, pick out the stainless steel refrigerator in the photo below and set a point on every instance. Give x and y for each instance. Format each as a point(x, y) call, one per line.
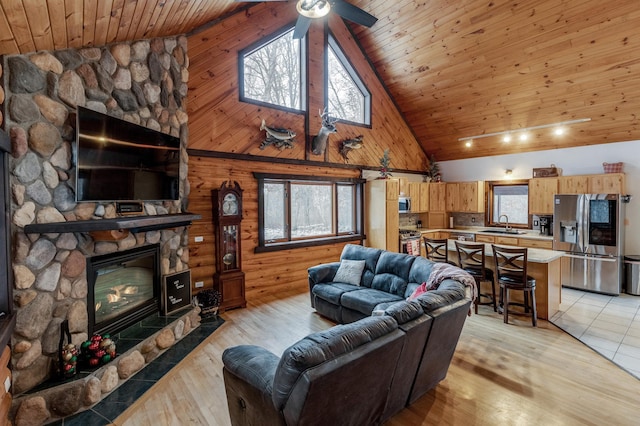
point(589, 228)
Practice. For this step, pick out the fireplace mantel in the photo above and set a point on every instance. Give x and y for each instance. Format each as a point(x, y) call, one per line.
point(132, 223)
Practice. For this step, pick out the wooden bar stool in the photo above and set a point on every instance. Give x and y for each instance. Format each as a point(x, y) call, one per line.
point(471, 258)
point(511, 267)
point(436, 250)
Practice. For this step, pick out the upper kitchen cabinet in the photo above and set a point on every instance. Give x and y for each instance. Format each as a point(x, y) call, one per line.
point(452, 197)
point(382, 216)
point(573, 184)
point(424, 197)
point(437, 197)
point(403, 185)
point(472, 197)
point(541, 192)
point(610, 183)
point(416, 198)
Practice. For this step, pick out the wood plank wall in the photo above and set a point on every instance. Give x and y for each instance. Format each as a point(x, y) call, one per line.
point(219, 122)
point(265, 272)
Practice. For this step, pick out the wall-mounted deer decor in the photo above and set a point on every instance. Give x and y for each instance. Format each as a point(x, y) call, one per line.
point(319, 143)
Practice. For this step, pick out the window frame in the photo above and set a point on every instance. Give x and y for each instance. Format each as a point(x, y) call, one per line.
point(303, 71)
point(335, 237)
point(333, 44)
point(489, 185)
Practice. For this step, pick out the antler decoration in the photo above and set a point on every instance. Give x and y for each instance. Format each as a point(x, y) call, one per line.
point(319, 143)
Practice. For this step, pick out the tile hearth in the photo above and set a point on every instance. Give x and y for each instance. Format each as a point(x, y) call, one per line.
point(107, 410)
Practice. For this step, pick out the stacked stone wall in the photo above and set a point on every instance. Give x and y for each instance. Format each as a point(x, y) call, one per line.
point(144, 82)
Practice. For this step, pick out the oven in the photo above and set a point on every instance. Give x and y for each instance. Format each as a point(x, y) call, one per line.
point(410, 241)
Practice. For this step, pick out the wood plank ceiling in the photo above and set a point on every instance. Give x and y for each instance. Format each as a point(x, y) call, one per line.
point(455, 69)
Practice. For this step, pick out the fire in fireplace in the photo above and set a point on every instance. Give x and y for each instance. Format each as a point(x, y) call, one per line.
point(124, 287)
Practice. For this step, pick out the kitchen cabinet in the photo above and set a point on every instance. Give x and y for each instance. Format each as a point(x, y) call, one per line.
point(472, 197)
point(512, 241)
point(424, 197)
point(381, 214)
point(414, 194)
point(573, 184)
point(403, 185)
point(541, 192)
point(452, 197)
point(437, 197)
point(531, 243)
point(485, 239)
point(609, 183)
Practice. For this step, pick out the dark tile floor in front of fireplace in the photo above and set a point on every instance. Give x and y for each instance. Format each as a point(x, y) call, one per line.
point(121, 398)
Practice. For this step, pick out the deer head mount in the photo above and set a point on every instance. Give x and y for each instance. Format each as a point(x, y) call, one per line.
point(319, 143)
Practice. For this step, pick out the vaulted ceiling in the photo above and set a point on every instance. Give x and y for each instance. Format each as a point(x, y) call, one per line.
point(455, 68)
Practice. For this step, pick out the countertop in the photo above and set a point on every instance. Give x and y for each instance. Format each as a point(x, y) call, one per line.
point(535, 255)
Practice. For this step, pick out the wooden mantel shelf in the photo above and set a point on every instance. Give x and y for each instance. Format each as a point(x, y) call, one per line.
point(132, 223)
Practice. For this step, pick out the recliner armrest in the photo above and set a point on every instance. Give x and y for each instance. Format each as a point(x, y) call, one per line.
point(322, 273)
point(252, 364)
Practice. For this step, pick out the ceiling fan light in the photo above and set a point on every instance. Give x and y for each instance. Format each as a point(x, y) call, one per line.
point(313, 8)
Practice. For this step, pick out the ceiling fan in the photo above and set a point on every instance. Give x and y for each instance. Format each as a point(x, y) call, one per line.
point(313, 9)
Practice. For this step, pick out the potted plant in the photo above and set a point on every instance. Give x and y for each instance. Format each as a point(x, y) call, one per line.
point(385, 171)
point(209, 302)
point(432, 172)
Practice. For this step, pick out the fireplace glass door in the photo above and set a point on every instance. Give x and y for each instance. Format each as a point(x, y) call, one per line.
point(124, 288)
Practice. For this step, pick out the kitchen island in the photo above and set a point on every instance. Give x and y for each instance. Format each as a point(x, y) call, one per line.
point(544, 266)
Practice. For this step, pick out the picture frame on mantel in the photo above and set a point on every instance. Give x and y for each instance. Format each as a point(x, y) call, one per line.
point(176, 291)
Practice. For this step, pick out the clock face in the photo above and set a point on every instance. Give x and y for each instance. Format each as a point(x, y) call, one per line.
point(230, 205)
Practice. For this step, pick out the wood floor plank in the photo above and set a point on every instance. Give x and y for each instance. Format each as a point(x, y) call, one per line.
point(500, 374)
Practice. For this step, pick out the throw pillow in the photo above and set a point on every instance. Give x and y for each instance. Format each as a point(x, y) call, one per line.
point(349, 272)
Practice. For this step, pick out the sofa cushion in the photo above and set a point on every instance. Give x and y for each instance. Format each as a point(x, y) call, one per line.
point(403, 311)
point(420, 270)
point(323, 346)
point(392, 273)
point(350, 271)
point(332, 292)
point(366, 299)
point(368, 254)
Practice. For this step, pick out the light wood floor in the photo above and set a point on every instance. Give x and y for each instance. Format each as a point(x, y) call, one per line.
point(500, 375)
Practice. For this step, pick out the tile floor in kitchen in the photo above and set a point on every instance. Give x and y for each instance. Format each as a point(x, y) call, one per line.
point(608, 324)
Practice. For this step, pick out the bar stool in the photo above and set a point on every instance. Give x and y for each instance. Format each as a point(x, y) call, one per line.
point(436, 250)
point(511, 267)
point(471, 258)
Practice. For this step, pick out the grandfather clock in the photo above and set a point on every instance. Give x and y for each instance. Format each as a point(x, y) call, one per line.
point(227, 215)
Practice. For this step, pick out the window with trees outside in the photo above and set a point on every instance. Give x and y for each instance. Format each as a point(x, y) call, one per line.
point(511, 199)
point(272, 72)
point(307, 210)
point(348, 98)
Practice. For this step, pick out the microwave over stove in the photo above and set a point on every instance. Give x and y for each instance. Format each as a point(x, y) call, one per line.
point(404, 204)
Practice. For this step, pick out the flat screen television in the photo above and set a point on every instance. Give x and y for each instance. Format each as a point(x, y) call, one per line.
point(120, 161)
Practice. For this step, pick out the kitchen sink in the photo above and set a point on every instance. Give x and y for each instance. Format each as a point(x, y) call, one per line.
point(504, 231)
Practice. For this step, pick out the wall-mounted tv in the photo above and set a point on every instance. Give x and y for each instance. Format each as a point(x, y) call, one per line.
point(120, 161)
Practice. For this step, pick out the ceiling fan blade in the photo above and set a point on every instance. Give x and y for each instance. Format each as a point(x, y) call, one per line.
point(353, 13)
point(302, 26)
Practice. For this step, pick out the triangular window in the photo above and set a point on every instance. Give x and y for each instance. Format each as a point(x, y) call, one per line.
point(348, 98)
point(272, 72)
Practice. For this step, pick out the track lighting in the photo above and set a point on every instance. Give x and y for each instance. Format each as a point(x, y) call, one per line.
point(560, 130)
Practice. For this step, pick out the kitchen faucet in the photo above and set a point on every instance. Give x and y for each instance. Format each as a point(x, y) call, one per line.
point(506, 220)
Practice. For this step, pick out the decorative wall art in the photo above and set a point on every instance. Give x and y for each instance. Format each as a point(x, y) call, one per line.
point(319, 143)
point(280, 138)
point(349, 144)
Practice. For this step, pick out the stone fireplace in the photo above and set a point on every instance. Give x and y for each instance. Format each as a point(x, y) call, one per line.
point(144, 82)
point(123, 288)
